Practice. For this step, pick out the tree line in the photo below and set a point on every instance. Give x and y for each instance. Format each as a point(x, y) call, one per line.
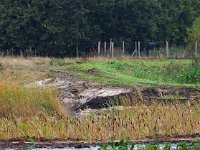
point(57, 27)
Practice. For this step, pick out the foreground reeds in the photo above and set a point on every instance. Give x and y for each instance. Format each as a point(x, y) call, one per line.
point(31, 112)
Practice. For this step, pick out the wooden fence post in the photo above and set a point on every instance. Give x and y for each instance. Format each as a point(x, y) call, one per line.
point(136, 49)
point(123, 47)
point(112, 49)
point(139, 46)
point(196, 49)
point(99, 48)
point(77, 53)
point(105, 51)
point(167, 49)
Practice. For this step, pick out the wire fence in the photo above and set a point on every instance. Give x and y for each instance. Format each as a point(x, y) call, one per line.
point(155, 50)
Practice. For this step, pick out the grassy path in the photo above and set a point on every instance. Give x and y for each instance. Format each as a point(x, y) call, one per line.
point(143, 73)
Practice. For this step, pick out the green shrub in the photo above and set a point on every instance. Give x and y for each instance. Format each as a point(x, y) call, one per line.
point(173, 72)
point(191, 75)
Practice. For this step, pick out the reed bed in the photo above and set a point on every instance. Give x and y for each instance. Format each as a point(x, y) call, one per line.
point(36, 113)
point(10, 61)
point(24, 70)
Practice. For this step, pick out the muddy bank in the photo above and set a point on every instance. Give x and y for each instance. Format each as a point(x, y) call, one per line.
point(21, 143)
point(77, 93)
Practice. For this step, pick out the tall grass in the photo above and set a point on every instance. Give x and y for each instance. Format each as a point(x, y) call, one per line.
point(9, 61)
point(24, 69)
point(20, 101)
point(140, 121)
point(24, 111)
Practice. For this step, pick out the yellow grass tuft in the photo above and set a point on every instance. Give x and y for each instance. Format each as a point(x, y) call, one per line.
point(20, 101)
point(16, 61)
point(9, 61)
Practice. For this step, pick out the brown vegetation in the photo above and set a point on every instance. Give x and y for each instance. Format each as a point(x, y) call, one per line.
point(33, 112)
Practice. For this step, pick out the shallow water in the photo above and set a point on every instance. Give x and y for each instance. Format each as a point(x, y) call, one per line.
point(67, 148)
point(173, 146)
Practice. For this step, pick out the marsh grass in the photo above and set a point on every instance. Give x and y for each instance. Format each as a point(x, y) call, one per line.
point(10, 61)
point(20, 101)
point(24, 70)
point(20, 106)
point(36, 113)
point(15, 61)
point(138, 121)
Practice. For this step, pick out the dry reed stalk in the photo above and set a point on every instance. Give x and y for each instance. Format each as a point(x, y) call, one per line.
point(16, 61)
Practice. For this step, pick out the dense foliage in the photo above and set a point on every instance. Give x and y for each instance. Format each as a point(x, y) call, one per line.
point(56, 27)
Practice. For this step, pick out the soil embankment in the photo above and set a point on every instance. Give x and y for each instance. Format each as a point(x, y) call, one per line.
point(78, 94)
